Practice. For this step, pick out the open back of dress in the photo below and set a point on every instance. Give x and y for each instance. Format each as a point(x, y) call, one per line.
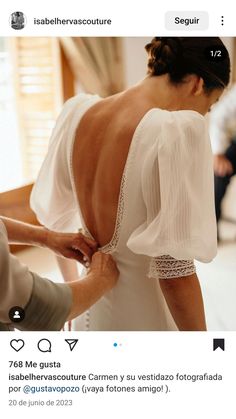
point(166, 207)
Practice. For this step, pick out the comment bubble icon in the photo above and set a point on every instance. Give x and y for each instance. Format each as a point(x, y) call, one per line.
point(44, 345)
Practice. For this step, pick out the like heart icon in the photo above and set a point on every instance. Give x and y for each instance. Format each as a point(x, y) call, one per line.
point(17, 344)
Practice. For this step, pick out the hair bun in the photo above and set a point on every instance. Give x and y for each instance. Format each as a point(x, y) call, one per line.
point(180, 56)
point(163, 53)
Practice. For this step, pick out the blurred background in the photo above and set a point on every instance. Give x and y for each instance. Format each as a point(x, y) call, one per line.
point(37, 75)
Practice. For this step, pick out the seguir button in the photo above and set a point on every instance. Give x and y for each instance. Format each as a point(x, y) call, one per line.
point(186, 21)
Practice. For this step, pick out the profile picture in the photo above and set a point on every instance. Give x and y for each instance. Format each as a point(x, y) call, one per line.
point(18, 20)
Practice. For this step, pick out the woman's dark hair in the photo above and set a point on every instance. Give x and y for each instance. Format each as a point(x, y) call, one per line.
point(179, 57)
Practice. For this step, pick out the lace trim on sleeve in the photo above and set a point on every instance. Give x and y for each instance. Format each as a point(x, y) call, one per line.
point(164, 267)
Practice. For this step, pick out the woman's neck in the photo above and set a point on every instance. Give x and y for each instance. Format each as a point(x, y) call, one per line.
point(162, 94)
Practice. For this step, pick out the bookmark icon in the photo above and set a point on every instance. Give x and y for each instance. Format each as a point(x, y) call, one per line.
point(218, 343)
point(72, 343)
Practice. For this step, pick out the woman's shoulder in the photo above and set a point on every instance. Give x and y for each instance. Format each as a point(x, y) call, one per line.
point(176, 125)
point(80, 98)
point(176, 118)
point(169, 131)
point(70, 109)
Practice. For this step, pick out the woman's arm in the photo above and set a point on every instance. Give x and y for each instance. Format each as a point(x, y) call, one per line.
point(72, 246)
point(184, 299)
point(101, 277)
point(70, 272)
point(22, 233)
point(52, 304)
point(49, 305)
point(68, 269)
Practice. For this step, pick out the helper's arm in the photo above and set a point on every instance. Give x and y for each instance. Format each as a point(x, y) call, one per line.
point(69, 245)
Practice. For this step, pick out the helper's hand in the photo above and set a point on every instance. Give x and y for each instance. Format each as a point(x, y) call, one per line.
point(222, 166)
point(73, 246)
point(104, 269)
point(101, 276)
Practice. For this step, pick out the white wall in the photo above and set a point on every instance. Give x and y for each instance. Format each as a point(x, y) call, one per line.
point(135, 58)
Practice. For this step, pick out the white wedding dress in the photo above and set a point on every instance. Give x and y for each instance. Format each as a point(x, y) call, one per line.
point(166, 207)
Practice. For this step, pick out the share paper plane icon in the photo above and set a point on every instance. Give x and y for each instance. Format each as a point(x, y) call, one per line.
point(72, 343)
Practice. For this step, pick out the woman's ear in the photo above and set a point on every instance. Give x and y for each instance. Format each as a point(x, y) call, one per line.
point(198, 87)
point(194, 85)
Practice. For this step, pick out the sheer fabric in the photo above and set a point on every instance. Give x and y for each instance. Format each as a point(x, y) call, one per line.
point(177, 188)
point(53, 198)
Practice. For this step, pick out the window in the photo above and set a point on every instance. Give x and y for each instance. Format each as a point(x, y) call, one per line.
point(31, 85)
point(10, 155)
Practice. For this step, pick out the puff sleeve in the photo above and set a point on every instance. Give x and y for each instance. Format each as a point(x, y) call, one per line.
point(178, 192)
point(53, 199)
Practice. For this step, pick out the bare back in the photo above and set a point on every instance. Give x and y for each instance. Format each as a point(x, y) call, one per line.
point(100, 152)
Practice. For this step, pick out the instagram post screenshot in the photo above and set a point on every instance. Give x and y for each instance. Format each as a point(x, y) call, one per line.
point(117, 210)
